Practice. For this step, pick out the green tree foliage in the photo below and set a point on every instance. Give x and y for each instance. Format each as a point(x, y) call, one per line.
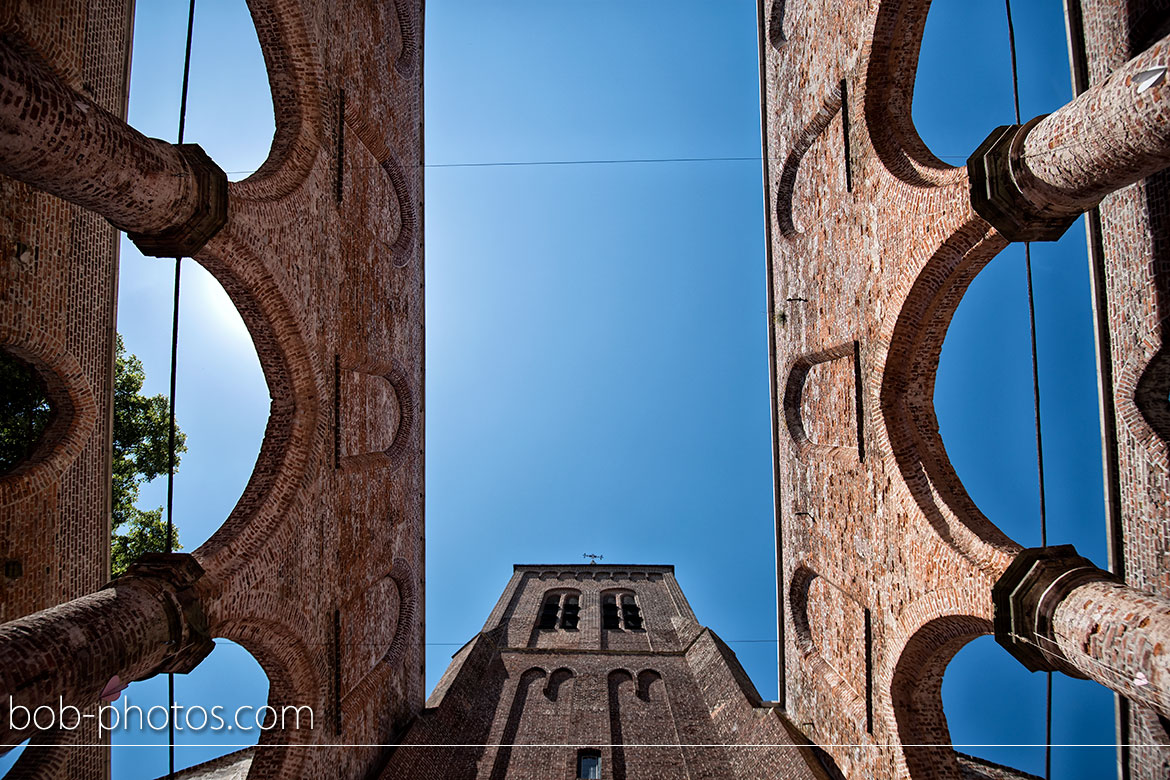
point(141, 427)
point(24, 411)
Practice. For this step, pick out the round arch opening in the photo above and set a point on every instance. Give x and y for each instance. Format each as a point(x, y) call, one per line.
point(216, 709)
point(229, 103)
point(994, 707)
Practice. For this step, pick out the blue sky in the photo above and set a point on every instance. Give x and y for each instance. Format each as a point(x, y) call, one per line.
point(597, 372)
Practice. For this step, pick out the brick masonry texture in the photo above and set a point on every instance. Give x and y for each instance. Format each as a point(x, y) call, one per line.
point(663, 701)
point(57, 310)
point(885, 565)
point(1132, 293)
point(322, 255)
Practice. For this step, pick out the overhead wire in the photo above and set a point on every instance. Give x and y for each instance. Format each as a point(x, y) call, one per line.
point(1035, 396)
point(614, 161)
point(174, 375)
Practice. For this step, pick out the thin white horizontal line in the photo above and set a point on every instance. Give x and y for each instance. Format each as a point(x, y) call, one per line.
point(594, 745)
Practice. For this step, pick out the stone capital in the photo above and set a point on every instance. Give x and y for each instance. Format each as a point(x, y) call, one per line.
point(1026, 597)
point(209, 193)
point(1000, 187)
point(172, 578)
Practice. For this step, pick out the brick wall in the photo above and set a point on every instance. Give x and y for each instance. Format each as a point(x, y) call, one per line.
point(57, 312)
point(322, 255)
point(872, 242)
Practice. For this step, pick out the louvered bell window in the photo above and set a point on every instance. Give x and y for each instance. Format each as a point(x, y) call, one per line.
point(548, 615)
point(570, 612)
point(631, 615)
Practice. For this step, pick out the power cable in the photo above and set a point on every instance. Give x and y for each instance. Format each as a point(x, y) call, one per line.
point(1035, 398)
point(174, 375)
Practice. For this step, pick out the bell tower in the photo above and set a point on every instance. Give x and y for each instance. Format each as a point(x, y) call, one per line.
point(592, 671)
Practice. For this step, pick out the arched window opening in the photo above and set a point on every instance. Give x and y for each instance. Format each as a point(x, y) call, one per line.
point(217, 707)
point(983, 398)
point(560, 609)
point(962, 93)
point(222, 401)
point(620, 611)
point(229, 81)
point(25, 411)
point(571, 611)
point(610, 619)
point(631, 615)
point(952, 122)
point(994, 705)
point(548, 615)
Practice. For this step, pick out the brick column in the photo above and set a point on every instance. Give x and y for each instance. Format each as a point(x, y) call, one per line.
point(1056, 611)
point(145, 622)
point(1032, 181)
point(170, 199)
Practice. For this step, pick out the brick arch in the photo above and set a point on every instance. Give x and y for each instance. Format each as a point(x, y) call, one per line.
point(405, 62)
point(889, 92)
point(293, 679)
point(560, 677)
point(396, 452)
point(294, 77)
point(907, 396)
point(646, 680)
point(404, 242)
point(776, 34)
point(407, 629)
point(915, 690)
point(849, 700)
point(794, 397)
point(74, 412)
point(295, 386)
point(1149, 387)
point(816, 126)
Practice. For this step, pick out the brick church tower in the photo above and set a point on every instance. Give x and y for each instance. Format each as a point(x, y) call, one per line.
point(589, 671)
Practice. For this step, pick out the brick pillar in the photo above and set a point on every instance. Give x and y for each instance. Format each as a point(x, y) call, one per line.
point(170, 199)
point(1056, 611)
point(145, 622)
point(1032, 181)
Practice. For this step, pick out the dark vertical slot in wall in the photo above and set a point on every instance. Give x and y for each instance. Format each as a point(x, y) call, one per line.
point(845, 135)
point(868, 673)
point(859, 400)
point(616, 740)
point(337, 671)
point(340, 145)
point(337, 411)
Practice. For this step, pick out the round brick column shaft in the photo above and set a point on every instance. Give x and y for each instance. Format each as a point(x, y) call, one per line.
point(1109, 137)
point(1032, 181)
point(1056, 611)
point(1118, 636)
point(142, 623)
point(60, 141)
